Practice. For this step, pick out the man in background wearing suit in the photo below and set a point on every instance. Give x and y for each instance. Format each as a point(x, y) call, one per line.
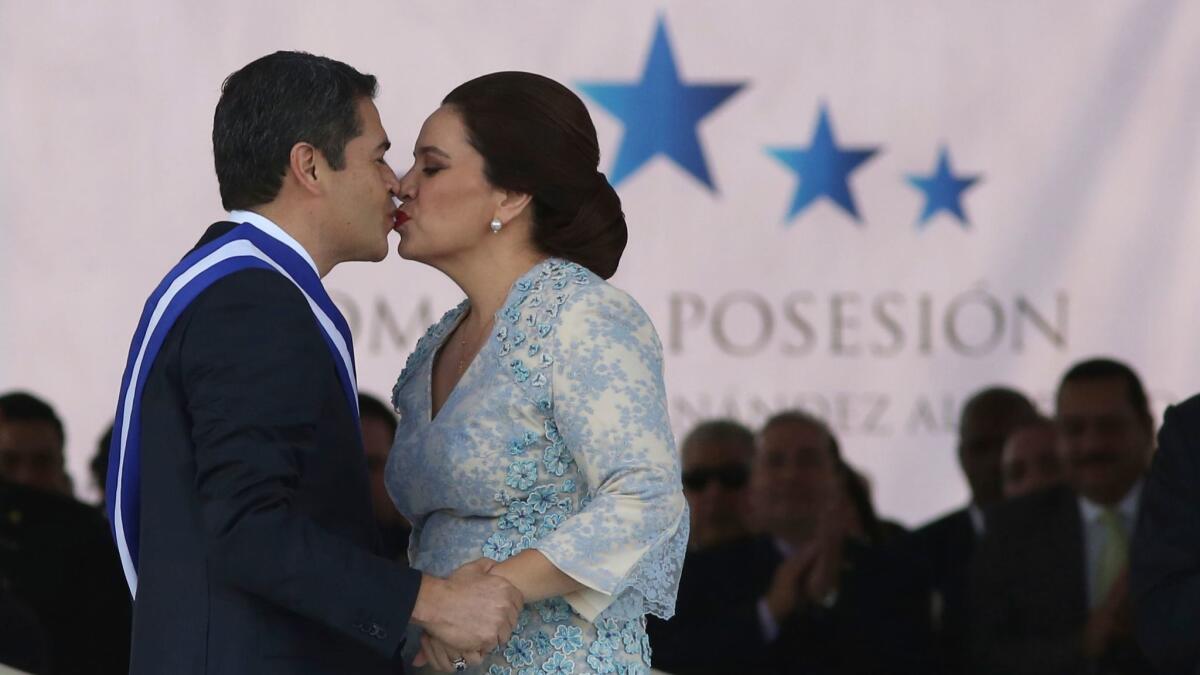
point(378, 433)
point(807, 597)
point(238, 483)
point(1049, 582)
point(1165, 571)
point(32, 444)
point(715, 458)
point(58, 564)
point(942, 550)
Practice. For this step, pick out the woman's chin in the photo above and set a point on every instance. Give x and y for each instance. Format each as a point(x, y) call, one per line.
point(404, 250)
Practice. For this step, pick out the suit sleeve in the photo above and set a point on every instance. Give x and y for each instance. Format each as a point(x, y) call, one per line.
point(997, 643)
point(255, 372)
point(674, 642)
point(1165, 559)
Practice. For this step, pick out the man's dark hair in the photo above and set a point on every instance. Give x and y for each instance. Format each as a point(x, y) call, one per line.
point(369, 406)
point(997, 401)
point(722, 432)
point(21, 406)
point(1106, 369)
point(274, 103)
point(807, 419)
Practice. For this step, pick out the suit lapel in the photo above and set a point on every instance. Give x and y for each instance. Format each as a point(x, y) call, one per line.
point(1072, 547)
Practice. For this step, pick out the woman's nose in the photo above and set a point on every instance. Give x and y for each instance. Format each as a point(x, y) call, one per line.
point(406, 186)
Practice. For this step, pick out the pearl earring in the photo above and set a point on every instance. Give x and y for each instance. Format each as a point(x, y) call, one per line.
point(496, 225)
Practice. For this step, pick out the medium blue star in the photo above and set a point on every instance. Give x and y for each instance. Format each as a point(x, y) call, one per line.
point(823, 168)
point(660, 113)
point(943, 190)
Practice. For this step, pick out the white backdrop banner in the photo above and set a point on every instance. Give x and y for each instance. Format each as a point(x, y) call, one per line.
point(866, 209)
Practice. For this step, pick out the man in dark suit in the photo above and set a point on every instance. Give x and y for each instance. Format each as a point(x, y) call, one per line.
point(58, 562)
point(32, 443)
point(941, 551)
point(1165, 571)
point(807, 597)
point(255, 550)
point(1049, 591)
point(378, 433)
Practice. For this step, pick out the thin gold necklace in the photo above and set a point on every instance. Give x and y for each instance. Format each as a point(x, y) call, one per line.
point(462, 344)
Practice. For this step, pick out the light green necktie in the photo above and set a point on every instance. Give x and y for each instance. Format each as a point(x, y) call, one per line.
point(1114, 554)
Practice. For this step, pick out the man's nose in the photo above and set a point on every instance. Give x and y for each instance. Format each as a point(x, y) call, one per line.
point(393, 184)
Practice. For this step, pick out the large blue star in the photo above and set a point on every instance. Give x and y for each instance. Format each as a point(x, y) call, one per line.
point(823, 168)
point(943, 190)
point(660, 113)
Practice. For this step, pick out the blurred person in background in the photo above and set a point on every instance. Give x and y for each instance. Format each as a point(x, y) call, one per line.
point(378, 433)
point(98, 466)
point(1049, 591)
point(1165, 557)
point(716, 458)
point(1030, 459)
point(941, 551)
point(32, 440)
point(813, 593)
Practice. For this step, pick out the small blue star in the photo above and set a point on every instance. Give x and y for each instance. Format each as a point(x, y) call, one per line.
point(660, 113)
point(823, 168)
point(943, 190)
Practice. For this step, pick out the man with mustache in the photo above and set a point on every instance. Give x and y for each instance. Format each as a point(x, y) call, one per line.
point(1049, 583)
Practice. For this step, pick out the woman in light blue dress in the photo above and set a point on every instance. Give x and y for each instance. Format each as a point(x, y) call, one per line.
point(533, 417)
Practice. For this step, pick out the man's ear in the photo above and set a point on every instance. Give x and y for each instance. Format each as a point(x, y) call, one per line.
point(306, 164)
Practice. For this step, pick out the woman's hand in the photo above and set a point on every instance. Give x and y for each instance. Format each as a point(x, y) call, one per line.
point(535, 576)
point(439, 655)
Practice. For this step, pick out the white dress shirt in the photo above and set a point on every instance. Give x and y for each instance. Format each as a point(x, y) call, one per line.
point(274, 231)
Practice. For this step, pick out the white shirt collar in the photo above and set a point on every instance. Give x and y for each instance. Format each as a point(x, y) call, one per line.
point(269, 228)
point(1127, 507)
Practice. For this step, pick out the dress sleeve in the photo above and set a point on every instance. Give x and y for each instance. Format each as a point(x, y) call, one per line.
point(610, 409)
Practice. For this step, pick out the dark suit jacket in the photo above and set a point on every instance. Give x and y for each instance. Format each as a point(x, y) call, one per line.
point(716, 607)
point(68, 597)
point(941, 552)
point(876, 626)
point(257, 538)
point(1028, 593)
point(1165, 560)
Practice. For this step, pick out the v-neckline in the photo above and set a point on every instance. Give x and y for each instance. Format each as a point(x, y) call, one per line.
point(465, 307)
point(433, 415)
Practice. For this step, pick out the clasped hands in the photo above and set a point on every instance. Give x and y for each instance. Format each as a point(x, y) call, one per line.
point(465, 615)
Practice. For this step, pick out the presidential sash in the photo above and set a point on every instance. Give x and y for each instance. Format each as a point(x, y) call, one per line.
point(244, 247)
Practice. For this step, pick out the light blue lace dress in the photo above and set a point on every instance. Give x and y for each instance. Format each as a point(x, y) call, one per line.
point(556, 438)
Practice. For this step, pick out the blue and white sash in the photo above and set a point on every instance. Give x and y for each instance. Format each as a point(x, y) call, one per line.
point(243, 247)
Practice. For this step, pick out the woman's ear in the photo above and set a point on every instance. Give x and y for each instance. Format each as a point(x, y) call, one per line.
point(512, 204)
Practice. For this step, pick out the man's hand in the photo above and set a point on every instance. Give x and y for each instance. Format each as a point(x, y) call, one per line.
point(784, 593)
point(471, 610)
point(825, 572)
